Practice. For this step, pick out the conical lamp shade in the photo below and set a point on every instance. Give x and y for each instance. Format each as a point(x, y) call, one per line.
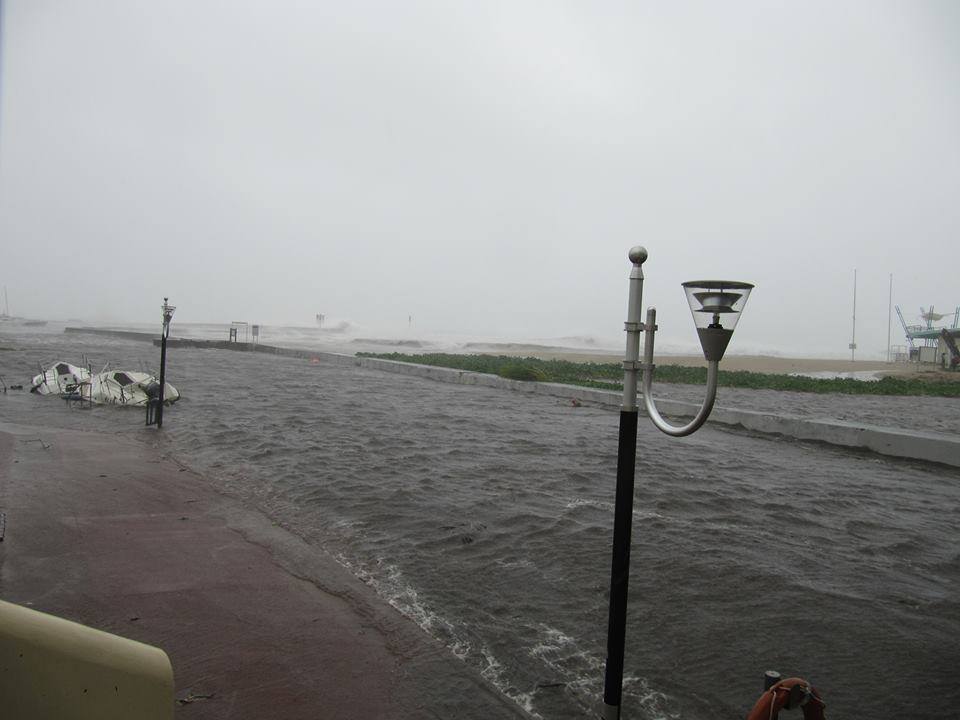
point(716, 306)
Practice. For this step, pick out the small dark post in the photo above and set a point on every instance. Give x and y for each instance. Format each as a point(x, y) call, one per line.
point(167, 316)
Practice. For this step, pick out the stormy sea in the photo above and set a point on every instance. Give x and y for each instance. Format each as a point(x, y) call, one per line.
point(485, 516)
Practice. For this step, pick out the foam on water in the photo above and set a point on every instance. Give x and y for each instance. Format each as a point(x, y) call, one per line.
point(864, 375)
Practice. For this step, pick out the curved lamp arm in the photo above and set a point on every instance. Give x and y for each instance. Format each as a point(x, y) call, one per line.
point(648, 401)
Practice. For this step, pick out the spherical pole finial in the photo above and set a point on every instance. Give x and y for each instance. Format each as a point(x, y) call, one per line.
point(637, 254)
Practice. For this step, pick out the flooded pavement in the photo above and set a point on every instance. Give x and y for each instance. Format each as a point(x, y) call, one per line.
point(485, 516)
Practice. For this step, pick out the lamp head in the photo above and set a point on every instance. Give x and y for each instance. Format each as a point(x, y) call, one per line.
point(716, 306)
point(167, 311)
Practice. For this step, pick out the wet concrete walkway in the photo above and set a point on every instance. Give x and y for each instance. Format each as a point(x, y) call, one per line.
point(103, 531)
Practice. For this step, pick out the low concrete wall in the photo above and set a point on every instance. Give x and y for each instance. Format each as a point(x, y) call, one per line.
point(912, 444)
point(125, 334)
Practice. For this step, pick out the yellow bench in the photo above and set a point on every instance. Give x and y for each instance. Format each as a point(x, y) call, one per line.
point(54, 668)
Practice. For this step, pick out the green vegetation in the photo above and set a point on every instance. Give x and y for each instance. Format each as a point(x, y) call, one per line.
point(523, 371)
point(608, 376)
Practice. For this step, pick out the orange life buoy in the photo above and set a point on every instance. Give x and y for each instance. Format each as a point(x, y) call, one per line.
point(789, 693)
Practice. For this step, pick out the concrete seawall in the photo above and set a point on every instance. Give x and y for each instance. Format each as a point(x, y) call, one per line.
point(125, 334)
point(894, 442)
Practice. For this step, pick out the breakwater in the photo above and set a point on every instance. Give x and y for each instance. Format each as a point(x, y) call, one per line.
point(124, 334)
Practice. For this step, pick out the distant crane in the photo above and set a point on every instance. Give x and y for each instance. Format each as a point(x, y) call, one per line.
point(926, 332)
point(907, 330)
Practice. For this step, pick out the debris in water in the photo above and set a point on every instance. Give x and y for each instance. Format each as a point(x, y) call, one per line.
point(192, 697)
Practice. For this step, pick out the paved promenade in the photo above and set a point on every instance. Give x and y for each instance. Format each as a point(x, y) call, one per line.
point(103, 531)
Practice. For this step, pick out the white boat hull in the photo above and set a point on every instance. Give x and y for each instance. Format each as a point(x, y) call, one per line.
point(59, 379)
point(126, 387)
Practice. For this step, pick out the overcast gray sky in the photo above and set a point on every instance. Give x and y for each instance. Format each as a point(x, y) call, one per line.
point(482, 166)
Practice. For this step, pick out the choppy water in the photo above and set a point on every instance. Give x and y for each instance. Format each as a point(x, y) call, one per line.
point(486, 517)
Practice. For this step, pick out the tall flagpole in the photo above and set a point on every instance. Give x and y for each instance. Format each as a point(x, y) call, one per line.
point(889, 318)
point(853, 336)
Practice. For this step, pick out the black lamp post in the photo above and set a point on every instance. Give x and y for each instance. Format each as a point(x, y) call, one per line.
point(167, 316)
point(711, 301)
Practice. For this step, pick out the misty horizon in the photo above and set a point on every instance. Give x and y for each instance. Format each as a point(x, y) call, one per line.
point(483, 169)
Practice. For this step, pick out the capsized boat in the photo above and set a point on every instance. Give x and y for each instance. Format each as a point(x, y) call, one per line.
point(126, 387)
point(61, 378)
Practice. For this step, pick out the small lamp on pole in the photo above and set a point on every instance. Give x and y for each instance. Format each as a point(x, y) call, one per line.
point(716, 306)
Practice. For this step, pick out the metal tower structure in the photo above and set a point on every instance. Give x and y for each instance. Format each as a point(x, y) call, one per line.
point(927, 332)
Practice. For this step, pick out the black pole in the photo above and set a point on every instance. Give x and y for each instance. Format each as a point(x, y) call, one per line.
point(163, 373)
point(167, 316)
point(620, 568)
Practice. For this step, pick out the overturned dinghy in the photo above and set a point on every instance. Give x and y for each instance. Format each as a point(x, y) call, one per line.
point(59, 379)
point(126, 387)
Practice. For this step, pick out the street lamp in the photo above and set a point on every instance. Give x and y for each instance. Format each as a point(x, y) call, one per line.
point(167, 311)
point(716, 306)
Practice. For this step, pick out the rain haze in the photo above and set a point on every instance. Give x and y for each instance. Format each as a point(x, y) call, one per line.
point(482, 168)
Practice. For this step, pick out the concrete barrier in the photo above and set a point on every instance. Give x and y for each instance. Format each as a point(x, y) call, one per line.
point(125, 334)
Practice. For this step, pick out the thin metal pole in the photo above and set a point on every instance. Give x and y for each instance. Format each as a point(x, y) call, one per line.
point(163, 373)
point(853, 338)
point(889, 318)
point(167, 313)
point(623, 506)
